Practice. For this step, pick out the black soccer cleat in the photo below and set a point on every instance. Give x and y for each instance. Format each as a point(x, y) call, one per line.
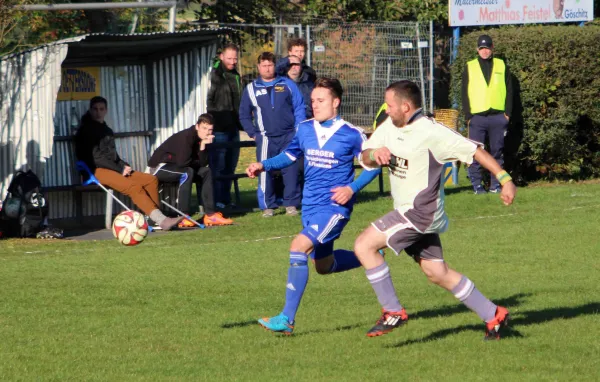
point(388, 322)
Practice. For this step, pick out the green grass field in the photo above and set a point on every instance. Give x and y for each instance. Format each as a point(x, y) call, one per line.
point(183, 305)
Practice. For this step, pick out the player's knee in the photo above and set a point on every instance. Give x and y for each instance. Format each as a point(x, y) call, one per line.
point(321, 269)
point(363, 244)
point(435, 276)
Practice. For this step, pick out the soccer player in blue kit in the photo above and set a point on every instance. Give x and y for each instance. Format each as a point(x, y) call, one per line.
point(329, 145)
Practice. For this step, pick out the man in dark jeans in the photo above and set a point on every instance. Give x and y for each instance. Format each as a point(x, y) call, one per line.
point(487, 101)
point(223, 102)
point(183, 159)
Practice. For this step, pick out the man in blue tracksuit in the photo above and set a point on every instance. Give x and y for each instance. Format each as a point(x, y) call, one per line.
point(270, 109)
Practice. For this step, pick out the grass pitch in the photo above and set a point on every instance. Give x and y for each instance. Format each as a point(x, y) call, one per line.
point(183, 305)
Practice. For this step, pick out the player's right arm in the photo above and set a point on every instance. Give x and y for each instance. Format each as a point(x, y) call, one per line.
point(374, 153)
point(509, 190)
point(283, 160)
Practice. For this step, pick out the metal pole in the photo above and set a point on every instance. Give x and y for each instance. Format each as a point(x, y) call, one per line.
point(431, 79)
point(308, 55)
point(90, 6)
point(455, 41)
point(421, 74)
point(389, 72)
point(134, 22)
point(172, 15)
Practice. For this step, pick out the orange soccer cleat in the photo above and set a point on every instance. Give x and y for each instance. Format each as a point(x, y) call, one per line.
point(216, 219)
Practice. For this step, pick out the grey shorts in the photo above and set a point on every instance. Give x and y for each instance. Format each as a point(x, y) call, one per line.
point(401, 235)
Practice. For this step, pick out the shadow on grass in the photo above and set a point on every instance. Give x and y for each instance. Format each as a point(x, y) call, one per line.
point(532, 317)
point(457, 190)
point(242, 324)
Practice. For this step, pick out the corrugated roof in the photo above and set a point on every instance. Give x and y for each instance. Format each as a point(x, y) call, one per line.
point(117, 48)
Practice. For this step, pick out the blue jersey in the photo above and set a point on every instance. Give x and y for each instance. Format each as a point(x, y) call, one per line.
point(329, 150)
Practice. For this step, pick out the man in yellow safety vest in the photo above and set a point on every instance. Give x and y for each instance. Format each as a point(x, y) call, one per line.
point(487, 101)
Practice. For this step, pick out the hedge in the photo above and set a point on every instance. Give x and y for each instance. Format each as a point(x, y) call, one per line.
point(555, 130)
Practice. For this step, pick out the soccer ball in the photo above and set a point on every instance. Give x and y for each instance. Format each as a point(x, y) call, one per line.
point(130, 228)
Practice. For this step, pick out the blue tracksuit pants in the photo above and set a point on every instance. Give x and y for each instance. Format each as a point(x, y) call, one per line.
point(268, 147)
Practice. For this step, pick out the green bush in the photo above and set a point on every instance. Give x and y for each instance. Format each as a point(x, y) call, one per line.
point(555, 131)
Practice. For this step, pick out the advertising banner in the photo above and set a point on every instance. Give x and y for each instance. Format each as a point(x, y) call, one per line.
point(79, 84)
point(497, 12)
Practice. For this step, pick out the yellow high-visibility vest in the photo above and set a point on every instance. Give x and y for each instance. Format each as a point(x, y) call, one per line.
point(380, 117)
point(482, 96)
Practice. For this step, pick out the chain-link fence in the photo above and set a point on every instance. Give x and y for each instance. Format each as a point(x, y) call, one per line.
point(369, 56)
point(366, 57)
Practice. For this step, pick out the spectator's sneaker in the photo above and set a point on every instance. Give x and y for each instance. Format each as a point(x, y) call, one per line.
point(492, 330)
point(496, 190)
point(216, 219)
point(169, 223)
point(268, 213)
point(278, 324)
point(220, 206)
point(186, 223)
point(480, 190)
point(388, 322)
point(291, 211)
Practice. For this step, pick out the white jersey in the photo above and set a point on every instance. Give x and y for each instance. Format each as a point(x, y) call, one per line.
point(421, 149)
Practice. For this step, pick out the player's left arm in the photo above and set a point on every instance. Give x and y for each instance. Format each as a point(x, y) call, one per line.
point(509, 190)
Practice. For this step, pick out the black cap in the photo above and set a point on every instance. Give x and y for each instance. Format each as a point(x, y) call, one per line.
point(484, 41)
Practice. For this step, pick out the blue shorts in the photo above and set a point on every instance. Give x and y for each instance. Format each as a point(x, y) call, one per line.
point(323, 227)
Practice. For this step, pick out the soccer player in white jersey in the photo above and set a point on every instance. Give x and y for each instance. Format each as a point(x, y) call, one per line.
point(329, 145)
point(416, 148)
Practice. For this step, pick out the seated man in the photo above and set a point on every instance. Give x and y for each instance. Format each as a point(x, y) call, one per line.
point(183, 158)
point(95, 145)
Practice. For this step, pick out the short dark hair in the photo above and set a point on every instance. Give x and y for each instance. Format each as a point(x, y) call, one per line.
point(333, 84)
point(206, 119)
point(266, 56)
point(296, 42)
point(407, 90)
point(98, 99)
point(230, 46)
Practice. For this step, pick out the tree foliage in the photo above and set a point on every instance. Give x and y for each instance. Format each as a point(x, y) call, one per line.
point(268, 11)
point(23, 29)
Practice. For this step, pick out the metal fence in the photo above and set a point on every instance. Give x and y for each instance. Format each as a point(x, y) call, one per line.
point(366, 57)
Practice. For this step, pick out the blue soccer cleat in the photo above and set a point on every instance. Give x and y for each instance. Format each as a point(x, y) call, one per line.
point(278, 324)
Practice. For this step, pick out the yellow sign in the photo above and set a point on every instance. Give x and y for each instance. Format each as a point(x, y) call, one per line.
point(79, 84)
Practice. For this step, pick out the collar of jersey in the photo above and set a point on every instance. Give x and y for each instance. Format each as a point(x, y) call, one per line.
point(259, 81)
point(418, 114)
point(329, 122)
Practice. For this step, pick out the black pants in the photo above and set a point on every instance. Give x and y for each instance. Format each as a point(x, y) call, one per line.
point(186, 176)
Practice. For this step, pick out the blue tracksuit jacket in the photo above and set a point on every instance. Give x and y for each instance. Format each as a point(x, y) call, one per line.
point(271, 109)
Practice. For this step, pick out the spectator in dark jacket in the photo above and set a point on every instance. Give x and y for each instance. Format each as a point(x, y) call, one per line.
point(183, 159)
point(223, 103)
point(95, 145)
point(298, 47)
point(291, 67)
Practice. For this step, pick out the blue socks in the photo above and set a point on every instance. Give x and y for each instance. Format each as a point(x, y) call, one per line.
point(296, 283)
point(344, 260)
